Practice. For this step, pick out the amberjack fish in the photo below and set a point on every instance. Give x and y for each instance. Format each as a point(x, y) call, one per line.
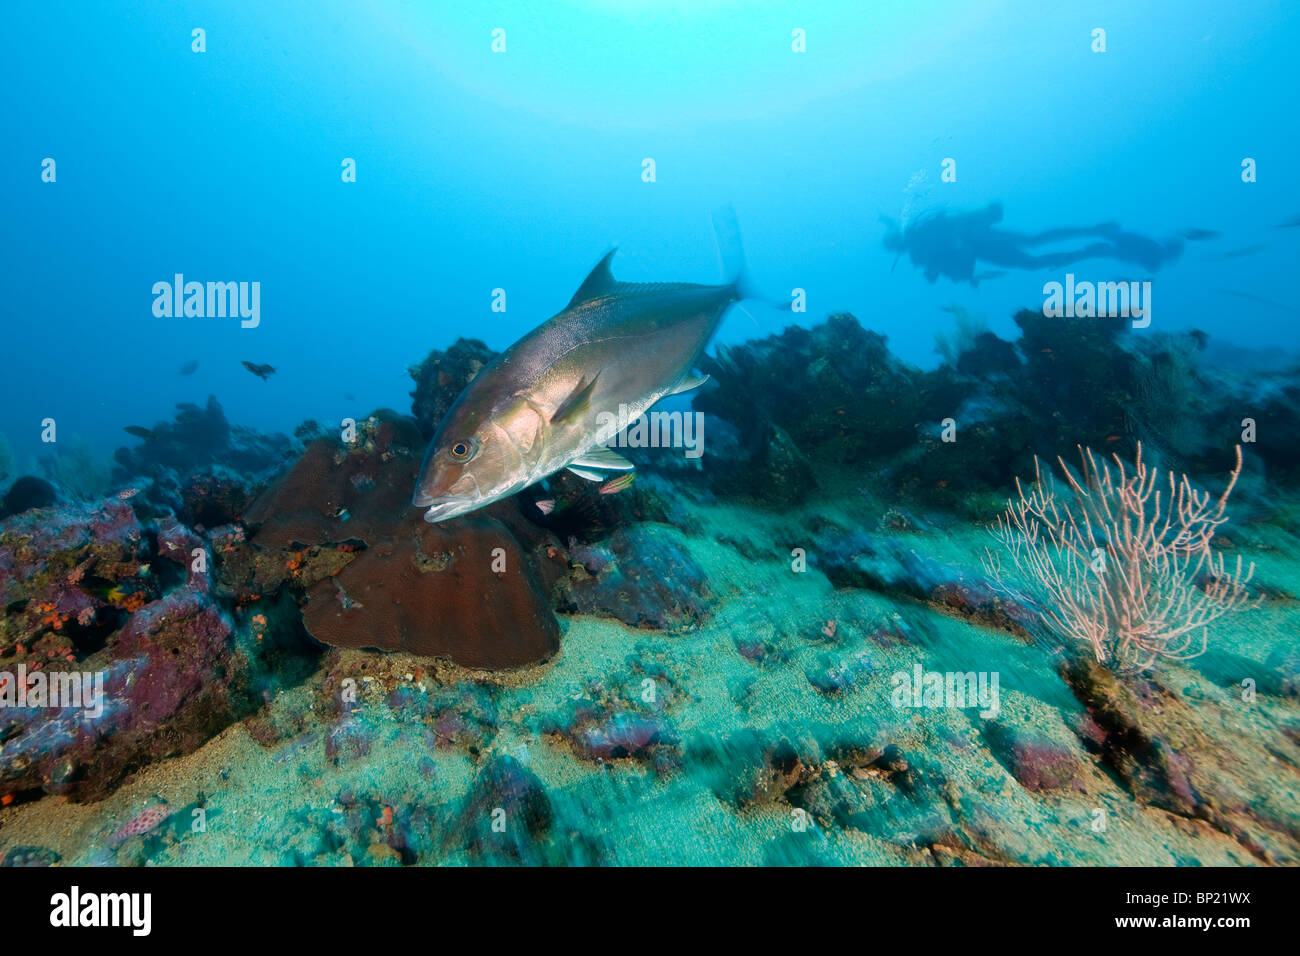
point(550, 401)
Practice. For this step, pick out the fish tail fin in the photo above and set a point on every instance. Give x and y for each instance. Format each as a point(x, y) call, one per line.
point(731, 252)
point(731, 255)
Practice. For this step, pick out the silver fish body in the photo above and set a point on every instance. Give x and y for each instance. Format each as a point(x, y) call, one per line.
point(537, 407)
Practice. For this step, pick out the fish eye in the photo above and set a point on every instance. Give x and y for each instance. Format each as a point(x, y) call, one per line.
point(461, 451)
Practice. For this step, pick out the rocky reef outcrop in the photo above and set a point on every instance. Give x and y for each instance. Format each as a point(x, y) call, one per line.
point(339, 530)
point(819, 402)
point(121, 651)
point(441, 377)
point(232, 565)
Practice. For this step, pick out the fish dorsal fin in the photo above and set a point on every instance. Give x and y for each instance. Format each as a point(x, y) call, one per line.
point(601, 281)
point(577, 402)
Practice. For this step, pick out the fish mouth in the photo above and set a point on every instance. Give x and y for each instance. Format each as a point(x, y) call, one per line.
point(462, 496)
point(448, 507)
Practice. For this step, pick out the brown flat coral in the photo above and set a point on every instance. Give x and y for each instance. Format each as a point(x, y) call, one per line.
point(473, 589)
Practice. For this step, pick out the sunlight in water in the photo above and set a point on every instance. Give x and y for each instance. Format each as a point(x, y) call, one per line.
point(619, 64)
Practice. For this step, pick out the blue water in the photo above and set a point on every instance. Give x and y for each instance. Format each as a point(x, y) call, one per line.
point(478, 170)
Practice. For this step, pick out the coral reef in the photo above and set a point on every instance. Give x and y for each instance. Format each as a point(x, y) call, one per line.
point(888, 565)
point(339, 529)
point(834, 395)
point(836, 390)
point(441, 377)
point(199, 444)
point(722, 638)
point(26, 493)
point(72, 467)
point(94, 591)
point(1171, 756)
point(641, 575)
point(1134, 577)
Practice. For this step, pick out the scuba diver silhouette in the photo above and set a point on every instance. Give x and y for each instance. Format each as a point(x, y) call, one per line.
point(953, 245)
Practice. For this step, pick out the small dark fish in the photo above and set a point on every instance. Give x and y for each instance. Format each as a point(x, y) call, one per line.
point(1242, 253)
point(138, 431)
point(190, 367)
point(1291, 223)
point(1196, 235)
point(261, 371)
point(1259, 298)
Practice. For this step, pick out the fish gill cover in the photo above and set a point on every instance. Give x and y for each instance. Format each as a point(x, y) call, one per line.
point(359, 507)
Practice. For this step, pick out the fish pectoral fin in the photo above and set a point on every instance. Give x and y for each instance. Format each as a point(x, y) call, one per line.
point(599, 460)
point(689, 383)
point(579, 401)
point(605, 459)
